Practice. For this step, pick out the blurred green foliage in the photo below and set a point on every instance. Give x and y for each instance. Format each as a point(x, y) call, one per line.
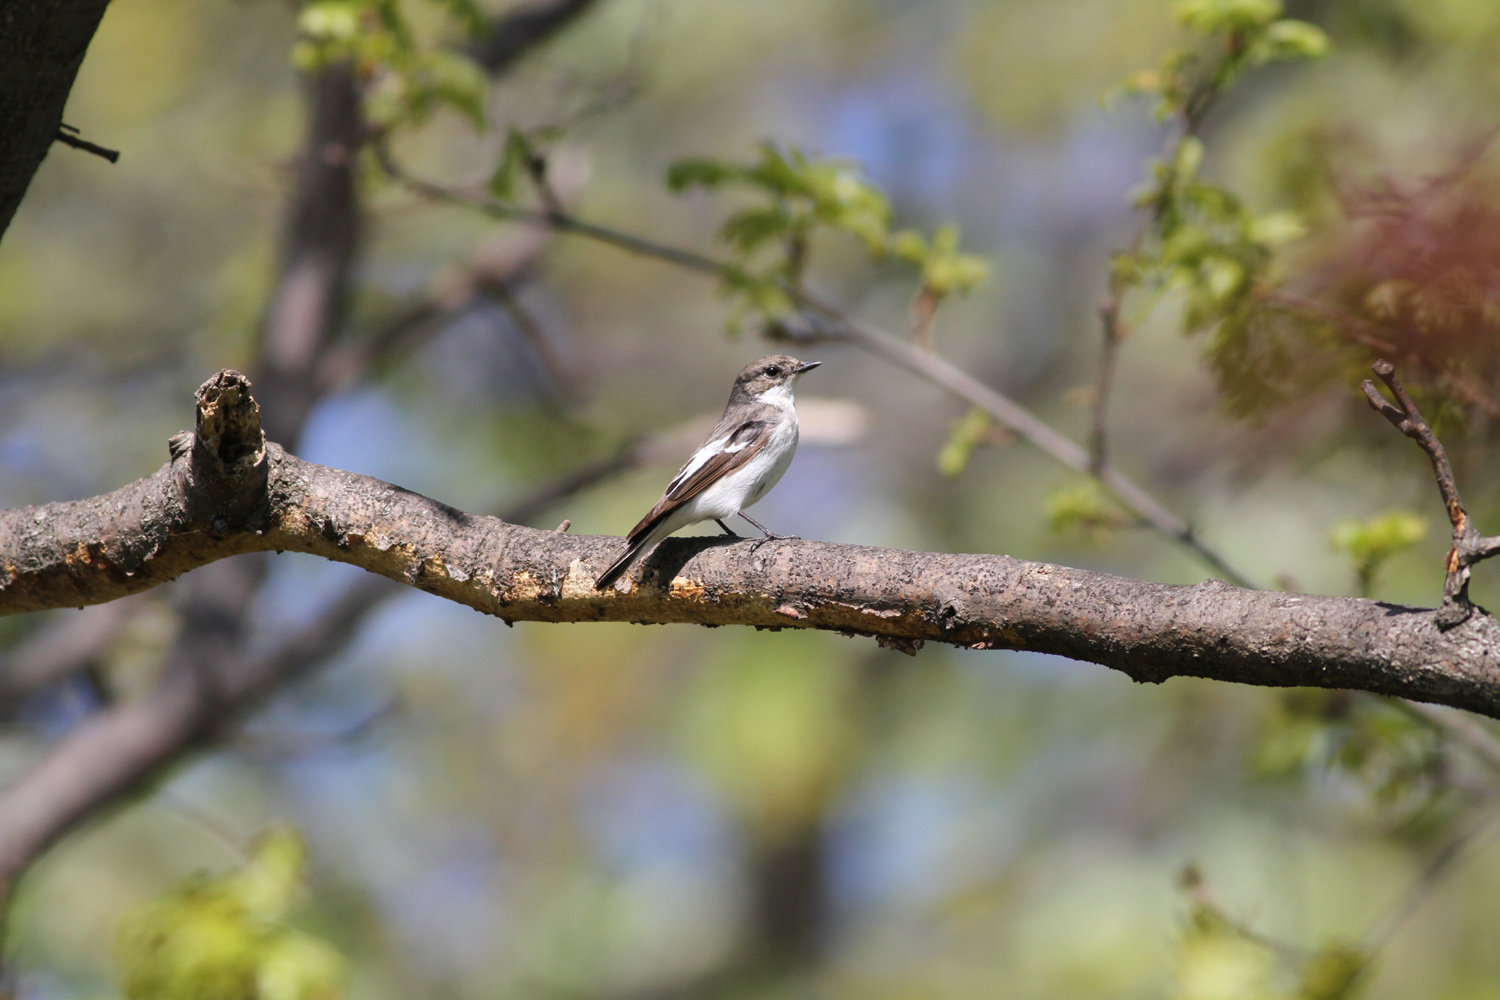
point(1219, 959)
point(407, 76)
point(1369, 544)
point(1401, 761)
point(224, 937)
point(1201, 241)
point(1086, 511)
point(968, 434)
point(770, 242)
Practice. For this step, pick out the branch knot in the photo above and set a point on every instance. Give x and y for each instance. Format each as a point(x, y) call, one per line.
point(227, 468)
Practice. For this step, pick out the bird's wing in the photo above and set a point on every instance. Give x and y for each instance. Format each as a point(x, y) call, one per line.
point(720, 455)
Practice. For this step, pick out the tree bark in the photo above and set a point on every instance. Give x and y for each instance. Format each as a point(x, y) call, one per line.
point(227, 492)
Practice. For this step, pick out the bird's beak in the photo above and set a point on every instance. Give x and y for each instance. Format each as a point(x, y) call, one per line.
point(806, 367)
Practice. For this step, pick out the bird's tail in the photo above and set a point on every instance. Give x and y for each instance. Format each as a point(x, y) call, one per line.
point(608, 577)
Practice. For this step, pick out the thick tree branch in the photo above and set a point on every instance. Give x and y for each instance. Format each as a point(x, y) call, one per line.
point(42, 43)
point(1469, 546)
point(221, 496)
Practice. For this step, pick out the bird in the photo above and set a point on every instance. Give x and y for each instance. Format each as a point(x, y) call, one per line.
point(741, 459)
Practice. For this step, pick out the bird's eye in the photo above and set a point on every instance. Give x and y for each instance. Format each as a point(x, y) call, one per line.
point(773, 371)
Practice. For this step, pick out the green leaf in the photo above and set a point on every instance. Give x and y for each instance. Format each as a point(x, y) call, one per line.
point(1189, 158)
point(699, 172)
point(505, 180)
point(1214, 16)
point(908, 245)
point(1215, 962)
point(754, 227)
point(1290, 40)
point(330, 20)
point(1368, 544)
point(1222, 277)
point(945, 270)
point(1276, 229)
point(779, 172)
point(846, 201)
point(457, 81)
point(968, 434)
point(1085, 509)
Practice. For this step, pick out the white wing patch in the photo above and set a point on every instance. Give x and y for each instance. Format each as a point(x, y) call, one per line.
point(744, 435)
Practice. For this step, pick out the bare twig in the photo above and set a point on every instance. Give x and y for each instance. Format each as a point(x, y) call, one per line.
point(1469, 547)
point(535, 336)
point(1196, 886)
point(1110, 326)
point(68, 136)
point(497, 263)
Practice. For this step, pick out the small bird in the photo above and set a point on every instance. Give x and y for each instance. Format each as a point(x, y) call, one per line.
point(744, 456)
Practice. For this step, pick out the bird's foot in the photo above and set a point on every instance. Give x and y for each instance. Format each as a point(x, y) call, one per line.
point(728, 531)
point(770, 535)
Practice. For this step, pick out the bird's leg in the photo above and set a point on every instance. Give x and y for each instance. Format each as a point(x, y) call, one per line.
point(727, 530)
point(756, 524)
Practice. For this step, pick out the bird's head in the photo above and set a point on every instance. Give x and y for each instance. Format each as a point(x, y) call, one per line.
point(776, 372)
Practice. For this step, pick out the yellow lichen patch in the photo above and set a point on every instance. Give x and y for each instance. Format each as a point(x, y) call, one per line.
point(686, 589)
point(523, 586)
point(579, 582)
point(434, 566)
point(81, 555)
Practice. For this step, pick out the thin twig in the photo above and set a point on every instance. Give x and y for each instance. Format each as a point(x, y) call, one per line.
point(1109, 321)
point(68, 136)
point(1469, 547)
point(535, 336)
point(1198, 889)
